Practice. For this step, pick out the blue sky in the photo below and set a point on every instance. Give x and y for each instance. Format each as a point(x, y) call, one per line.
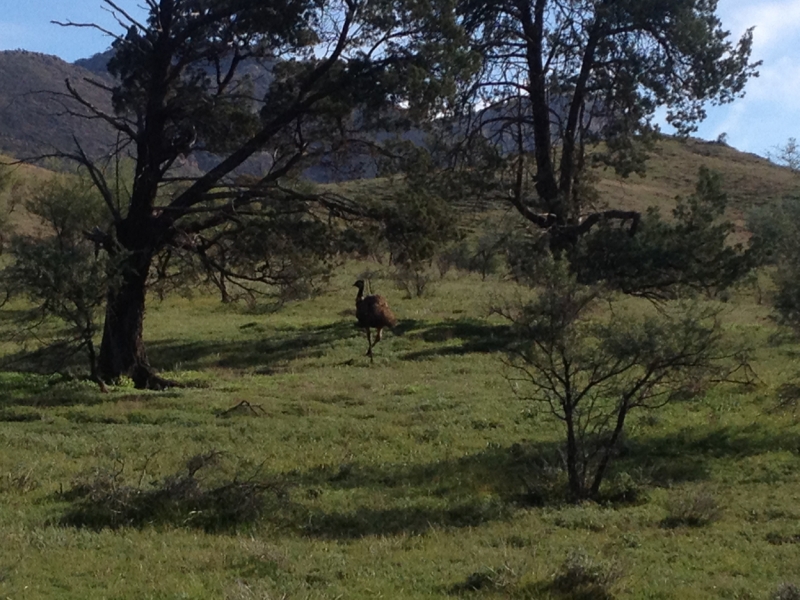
point(767, 116)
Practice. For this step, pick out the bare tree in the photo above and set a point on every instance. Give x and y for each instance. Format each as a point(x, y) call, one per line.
point(787, 155)
point(588, 367)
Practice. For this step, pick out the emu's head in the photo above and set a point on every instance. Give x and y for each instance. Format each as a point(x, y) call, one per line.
point(360, 285)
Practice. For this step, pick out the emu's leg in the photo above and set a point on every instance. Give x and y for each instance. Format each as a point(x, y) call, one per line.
point(369, 342)
point(378, 336)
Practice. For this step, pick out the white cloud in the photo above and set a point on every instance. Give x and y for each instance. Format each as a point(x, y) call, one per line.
point(777, 24)
point(778, 83)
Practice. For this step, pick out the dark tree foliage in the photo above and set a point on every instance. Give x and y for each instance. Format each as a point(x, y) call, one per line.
point(336, 67)
point(776, 243)
point(58, 270)
point(418, 227)
point(567, 85)
point(687, 253)
point(290, 251)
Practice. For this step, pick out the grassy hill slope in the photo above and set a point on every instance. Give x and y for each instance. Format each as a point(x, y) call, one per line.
point(413, 478)
point(416, 477)
point(748, 179)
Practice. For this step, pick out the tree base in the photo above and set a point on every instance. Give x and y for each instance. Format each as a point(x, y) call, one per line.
point(144, 378)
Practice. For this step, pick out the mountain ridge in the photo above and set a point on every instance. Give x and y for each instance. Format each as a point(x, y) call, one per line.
point(36, 115)
point(35, 120)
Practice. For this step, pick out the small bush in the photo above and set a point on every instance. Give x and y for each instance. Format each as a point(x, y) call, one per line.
point(786, 591)
point(625, 489)
point(526, 256)
point(20, 481)
point(485, 255)
point(585, 578)
point(13, 415)
point(778, 538)
point(788, 397)
point(691, 510)
point(414, 279)
point(486, 580)
point(104, 500)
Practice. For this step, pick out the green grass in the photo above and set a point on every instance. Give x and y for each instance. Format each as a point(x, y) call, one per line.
point(415, 477)
point(408, 478)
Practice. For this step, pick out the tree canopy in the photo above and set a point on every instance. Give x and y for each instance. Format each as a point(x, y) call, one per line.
point(533, 91)
point(182, 87)
point(568, 84)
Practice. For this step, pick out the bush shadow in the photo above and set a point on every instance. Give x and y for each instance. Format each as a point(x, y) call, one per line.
point(474, 335)
point(461, 492)
point(413, 520)
point(31, 390)
point(56, 357)
point(283, 345)
point(279, 346)
point(489, 485)
point(276, 346)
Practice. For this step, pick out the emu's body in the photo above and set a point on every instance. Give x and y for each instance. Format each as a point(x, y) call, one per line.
point(373, 312)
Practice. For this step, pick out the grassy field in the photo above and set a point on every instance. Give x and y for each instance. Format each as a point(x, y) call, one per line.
point(408, 478)
point(414, 477)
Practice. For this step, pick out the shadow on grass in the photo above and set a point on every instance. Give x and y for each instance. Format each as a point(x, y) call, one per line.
point(282, 345)
point(474, 335)
point(45, 360)
point(467, 491)
point(40, 391)
point(271, 348)
point(489, 485)
point(364, 522)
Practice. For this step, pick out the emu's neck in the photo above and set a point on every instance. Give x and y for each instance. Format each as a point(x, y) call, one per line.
point(360, 294)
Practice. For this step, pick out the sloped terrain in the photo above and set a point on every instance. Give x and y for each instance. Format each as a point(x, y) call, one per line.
point(34, 110)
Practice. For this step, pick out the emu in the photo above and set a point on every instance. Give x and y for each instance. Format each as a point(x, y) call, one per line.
point(372, 312)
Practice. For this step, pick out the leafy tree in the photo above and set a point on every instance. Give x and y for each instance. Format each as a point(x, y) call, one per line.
point(416, 229)
point(566, 86)
point(57, 269)
point(589, 368)
point(7, 183)
point(776, 242)
point(335, 67)
point(666, 258)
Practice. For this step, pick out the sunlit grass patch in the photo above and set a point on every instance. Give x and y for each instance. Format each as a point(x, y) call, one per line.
point(419, 476)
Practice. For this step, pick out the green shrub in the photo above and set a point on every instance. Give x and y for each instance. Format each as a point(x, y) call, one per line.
point(104, 500)
point(786, 591)
point(586, 578)
point(486, 580)
point(696, 509)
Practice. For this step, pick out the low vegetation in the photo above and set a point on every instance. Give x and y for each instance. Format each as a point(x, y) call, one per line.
point(587, 390)
point(421, 476)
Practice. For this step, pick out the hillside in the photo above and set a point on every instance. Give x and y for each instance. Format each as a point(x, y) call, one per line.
point(34, 117)
point(33, 121)
point(34, 112)
point(748, 180)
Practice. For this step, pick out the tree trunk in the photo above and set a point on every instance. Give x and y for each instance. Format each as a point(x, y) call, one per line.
point(610, 446)
point(576, 484)
point(122, 351)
